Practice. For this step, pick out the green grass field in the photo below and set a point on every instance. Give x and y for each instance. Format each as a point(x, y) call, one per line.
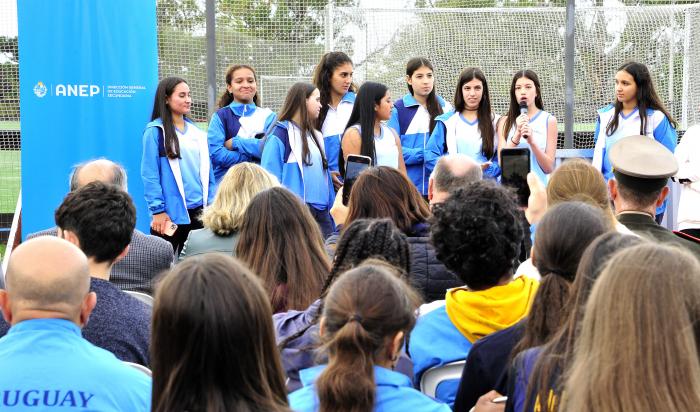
point(9, 125)
point(9, 179)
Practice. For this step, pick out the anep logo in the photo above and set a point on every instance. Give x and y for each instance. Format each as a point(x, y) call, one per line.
point(40, 90)
point(82, 90)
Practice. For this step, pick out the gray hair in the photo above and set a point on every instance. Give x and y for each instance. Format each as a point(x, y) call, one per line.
point(454, 171)
point(118, 173)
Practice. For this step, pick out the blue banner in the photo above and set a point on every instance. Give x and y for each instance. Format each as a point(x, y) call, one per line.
point(88, 74)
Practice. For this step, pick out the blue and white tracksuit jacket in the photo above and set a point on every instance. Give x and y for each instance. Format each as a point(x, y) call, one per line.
point(455, 134)
point(282, 156)
point(240, 122)
point(411, 121)
point(658, 127)
point(334, 126)
point(162, 178)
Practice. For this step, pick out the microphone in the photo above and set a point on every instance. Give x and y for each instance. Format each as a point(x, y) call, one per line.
point(523, 110)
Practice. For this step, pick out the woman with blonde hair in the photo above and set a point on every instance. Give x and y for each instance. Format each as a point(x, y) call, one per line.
point(638, 350)
point(576, 179)
point(222, 219)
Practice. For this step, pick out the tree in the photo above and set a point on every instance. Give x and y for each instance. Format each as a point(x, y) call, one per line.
point(280, 20)
point(9, 78)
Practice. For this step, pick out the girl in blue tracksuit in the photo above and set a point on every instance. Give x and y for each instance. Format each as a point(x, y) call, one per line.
point(295, 153)
point(177, 177)
point(636, 110)
point(413, 118)
point(536, 130)
point(367, 314)
point(236, 129)
point(333, 78)
point(472, 128)
point(367, 133)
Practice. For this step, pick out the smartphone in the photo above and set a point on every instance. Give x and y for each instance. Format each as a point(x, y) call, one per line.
point(170, 229)
point(354, 165)
point(515, 165)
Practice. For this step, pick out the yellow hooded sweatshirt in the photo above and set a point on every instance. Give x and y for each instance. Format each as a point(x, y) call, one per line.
point(479, 313)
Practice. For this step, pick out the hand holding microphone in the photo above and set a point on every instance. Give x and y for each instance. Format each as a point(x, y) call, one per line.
point(525, 120)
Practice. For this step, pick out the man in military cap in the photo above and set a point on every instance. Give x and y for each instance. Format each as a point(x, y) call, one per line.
point(642, 167)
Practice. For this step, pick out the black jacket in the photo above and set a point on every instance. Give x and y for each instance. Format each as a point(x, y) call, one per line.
point(428, 275)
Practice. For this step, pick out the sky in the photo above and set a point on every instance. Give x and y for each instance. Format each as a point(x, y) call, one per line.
point(8, 18)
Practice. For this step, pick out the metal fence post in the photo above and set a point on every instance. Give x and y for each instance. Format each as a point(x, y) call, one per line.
point(569, 55)
point(211, 57)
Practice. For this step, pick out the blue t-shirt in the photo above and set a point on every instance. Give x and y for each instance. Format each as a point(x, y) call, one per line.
point(315, 186)
point(394, 393)
point(189, 168)
point(48, 366)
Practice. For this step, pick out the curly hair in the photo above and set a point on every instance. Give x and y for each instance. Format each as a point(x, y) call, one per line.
point(477, 233)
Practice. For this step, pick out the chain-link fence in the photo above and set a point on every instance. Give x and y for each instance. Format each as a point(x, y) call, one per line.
point(284, 39)
point(9, 119)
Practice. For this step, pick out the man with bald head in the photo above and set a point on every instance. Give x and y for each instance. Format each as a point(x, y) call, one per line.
point(99, 218)
point(148, 255)
point(47, 363)
point(451, 172)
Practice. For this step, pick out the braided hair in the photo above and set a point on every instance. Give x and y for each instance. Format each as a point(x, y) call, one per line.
point(363, 239)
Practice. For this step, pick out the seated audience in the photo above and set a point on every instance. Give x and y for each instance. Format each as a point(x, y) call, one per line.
point(280, 241)
point(222, 218)
point(367, 316)
point(100, 219)
point(46, 363)
point(148, 255)
point(552, 359)
point(562, 236)
point(642, 167)
point(638, 343)
point(213, 346)
point(578, 180)
point(384, 192)
point(451, 172)
point(575, 180)
point(477, 234)
point(297, 331)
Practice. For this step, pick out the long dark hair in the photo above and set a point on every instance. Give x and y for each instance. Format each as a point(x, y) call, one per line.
point(483, 113)
point(646, 98)
point(281, 242)
point(363, 239)
point(162, 111)
point(556, 355)
point(365, 309)
point(294, 103)
point(227, 97)
point(363, 114)
point(196, 324)
point(514, 108)
point(559, 243)
point(431, 104)
point(322, 80)
point(384, 192)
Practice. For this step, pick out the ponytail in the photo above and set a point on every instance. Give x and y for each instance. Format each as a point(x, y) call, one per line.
point(347, 384)
point(364, 310)
point(546, 314)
